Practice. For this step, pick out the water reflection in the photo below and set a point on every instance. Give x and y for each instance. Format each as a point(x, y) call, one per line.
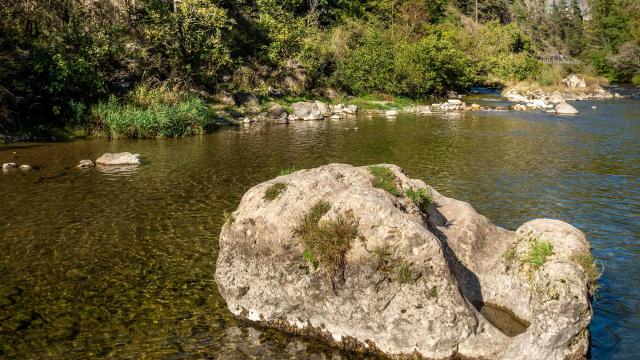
point(122, 266)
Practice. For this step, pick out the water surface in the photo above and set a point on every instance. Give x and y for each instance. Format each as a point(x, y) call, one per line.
point(120, 265)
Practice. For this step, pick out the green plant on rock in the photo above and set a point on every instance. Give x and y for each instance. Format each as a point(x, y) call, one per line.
point(289, 170)
point(274, 190)
point(590, 268)
point(396, 268)
point(326, 243)
point(384, 178)
point(510, 257)
point(420, 197)
point(538, 253)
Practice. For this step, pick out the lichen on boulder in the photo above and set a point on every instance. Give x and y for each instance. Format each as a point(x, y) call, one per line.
point(405, 273)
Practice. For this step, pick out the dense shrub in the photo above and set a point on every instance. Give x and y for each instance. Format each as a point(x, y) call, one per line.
point(382, 63)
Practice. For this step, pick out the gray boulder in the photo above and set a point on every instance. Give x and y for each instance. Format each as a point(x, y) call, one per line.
point(307, 110)
point(324, 252)
point(123, 158)
point(564, 108)
point(25, 167)
point(276, 110)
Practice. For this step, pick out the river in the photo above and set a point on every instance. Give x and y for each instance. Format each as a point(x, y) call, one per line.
point(120, 265)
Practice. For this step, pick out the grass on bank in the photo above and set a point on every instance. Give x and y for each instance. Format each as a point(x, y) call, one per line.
point(148, 112)
point(326, 243)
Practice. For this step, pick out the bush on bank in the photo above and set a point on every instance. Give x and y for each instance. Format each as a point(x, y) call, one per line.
point(152, 113)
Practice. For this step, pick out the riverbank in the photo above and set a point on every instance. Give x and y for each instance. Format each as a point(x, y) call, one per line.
point(162, 112)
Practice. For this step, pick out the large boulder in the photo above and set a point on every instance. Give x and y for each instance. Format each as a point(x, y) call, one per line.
point(306, 110)
point(564, 108)
point(370, 259)
point(123, 158)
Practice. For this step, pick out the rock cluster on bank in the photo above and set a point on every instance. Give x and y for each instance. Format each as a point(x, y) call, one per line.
point(370, 259)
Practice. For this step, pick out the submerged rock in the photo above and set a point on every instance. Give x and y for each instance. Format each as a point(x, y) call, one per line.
point(371, 259)
point(85, 164)
point(123, 158)
point(25, 167)
point(8, 166)
point(564, 108)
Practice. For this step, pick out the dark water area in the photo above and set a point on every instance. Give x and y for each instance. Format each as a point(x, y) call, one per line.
point(120, 264)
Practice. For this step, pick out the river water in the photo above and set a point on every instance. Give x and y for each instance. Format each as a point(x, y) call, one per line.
point(120, 265)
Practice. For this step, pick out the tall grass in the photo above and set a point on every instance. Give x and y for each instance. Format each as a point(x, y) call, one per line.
point(153, 113)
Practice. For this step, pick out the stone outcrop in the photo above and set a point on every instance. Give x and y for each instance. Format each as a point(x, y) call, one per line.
point(415, 273)
point(317, 110)
point(123, 158)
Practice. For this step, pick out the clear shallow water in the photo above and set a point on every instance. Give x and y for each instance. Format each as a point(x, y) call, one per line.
point(120, 265)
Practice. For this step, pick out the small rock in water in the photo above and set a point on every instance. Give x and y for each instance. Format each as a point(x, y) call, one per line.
point(123, 158)
point(564, 108)
point(455, 101)
point(594, 107)
point(335, 117)
point(7, 166)
point(391, 113)
point(25, 167)
point(85, 164)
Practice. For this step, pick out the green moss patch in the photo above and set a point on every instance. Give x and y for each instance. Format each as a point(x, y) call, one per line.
point(420, 197)
point(384, 178)
point(326, 243)
point(274, 190)
point(396, 268)
point(538, 253)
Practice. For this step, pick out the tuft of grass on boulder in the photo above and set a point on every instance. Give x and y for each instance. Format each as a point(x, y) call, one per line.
point(289, 170)
point(384, 178)
point(153, 113)
point(396, 268)
point(326, 243)
point(590, 268)
point(538, 253)
point(274, 190)
point(420, 197)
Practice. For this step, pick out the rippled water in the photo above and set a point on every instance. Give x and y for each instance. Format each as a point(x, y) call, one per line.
point(120, 265)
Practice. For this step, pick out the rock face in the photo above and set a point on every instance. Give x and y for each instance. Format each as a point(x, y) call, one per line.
point(412, 270)
point(564, 108)
point(123, 158)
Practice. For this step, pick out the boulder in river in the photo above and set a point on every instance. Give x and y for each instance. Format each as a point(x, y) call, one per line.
point(25, 167)
point(370, 259)
point(564, 108)
point(123, 158)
